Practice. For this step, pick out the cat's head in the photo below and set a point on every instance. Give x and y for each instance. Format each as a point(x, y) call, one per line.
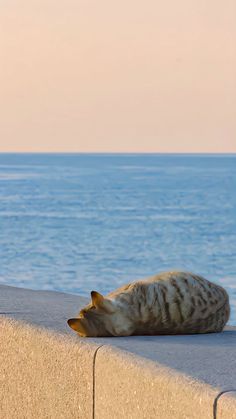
point(102, 317)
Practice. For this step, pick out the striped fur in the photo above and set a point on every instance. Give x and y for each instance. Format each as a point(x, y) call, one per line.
point(168, 303)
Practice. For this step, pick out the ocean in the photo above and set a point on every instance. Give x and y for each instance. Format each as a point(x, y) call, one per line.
point(82, 222)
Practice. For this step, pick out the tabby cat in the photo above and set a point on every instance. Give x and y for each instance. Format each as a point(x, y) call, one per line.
point(168, 303)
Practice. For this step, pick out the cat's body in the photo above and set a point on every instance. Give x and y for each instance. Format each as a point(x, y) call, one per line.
point(168, 303)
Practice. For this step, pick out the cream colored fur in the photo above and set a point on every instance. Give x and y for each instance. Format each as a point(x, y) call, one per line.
point(168, 303)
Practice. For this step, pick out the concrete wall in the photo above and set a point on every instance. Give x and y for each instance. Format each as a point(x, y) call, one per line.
point(43, 375)
point(46, 371)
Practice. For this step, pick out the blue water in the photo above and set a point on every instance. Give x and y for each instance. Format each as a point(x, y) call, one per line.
point(78, 222)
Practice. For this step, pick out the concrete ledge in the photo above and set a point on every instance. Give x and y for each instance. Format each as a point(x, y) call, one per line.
point(127, 386)
point(225, 405)
point(43, 375)
point(46, 371)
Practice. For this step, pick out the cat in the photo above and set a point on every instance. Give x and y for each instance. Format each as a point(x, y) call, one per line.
point(168, 303)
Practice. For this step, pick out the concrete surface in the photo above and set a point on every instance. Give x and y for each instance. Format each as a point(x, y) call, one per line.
point(43, 373)
point(130, 377)
point(226, 405)
point(48, 309)
point(127, 386)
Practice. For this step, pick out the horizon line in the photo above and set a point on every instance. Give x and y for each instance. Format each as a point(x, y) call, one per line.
point(120, 152)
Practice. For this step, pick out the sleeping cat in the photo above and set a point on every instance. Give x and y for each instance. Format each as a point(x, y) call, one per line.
point(168, 303)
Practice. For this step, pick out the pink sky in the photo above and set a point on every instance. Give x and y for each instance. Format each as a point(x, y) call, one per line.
point(125, 76)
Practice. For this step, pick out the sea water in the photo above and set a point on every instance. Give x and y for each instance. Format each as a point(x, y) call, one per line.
point(82, 222)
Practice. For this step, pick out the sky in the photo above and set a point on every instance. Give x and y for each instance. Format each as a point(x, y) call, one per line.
point(122, 76)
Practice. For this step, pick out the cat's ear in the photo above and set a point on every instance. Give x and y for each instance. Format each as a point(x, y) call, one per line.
point(99, 301)
point(77, 325)
point(97, 298)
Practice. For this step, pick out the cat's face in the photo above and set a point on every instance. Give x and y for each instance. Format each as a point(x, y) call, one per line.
point(94, 319)
point(101, 318)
